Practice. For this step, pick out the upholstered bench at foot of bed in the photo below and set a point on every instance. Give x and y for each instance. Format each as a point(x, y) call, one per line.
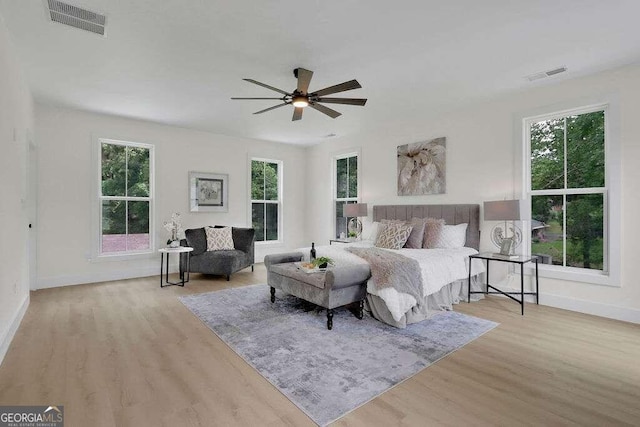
point(331, 289)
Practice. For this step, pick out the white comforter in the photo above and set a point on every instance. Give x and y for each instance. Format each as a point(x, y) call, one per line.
point(438, 268)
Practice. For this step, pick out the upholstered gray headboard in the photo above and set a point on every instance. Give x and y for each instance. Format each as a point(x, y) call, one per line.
point(452, 214)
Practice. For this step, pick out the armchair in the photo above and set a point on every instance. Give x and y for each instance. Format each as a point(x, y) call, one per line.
point(223, 262)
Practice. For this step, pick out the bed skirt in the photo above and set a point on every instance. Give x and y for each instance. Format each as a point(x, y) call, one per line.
point(442, 300)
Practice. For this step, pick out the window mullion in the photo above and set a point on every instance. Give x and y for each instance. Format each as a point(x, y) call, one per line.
point(564, 196)
point(129, 199)
point(126, 225)
point(348, 175)
point(564, 143)
point(126, 203)
point(559, 191)
point(564, 230)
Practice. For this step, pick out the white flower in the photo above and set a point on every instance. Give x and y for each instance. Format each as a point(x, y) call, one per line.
point(174, 226)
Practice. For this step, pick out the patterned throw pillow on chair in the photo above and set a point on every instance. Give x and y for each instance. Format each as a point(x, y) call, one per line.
point(219, 239)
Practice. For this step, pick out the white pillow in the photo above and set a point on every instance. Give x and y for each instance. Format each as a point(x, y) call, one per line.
point(219, 239)
point(452, 236)
point(371, 231)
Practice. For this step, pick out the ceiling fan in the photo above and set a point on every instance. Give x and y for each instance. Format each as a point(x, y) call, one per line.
point(301, 97)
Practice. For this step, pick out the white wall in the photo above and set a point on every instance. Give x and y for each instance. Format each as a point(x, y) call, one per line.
point(66, 174)
point(16, 128)
point(483, 163)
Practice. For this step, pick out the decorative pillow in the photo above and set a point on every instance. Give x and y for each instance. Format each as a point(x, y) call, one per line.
point(452, 236)
point(219, 239)
point(371, 231)
point(432, 232)
point(417, 233)
point(394, 236)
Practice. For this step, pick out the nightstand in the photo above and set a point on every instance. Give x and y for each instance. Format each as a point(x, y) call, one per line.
point(513, 259)
point(345, 240)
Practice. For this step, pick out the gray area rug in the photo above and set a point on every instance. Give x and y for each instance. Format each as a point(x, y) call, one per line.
point(327, 373)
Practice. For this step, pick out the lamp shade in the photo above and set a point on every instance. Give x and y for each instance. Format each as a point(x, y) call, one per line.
point(502, 210)
point(353, 210)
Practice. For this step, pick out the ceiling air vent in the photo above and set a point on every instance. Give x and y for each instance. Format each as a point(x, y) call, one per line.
point(545, 74)
point(76, 17)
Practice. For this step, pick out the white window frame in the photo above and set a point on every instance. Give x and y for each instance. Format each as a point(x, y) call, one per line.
point(279, 202)
point(96, 253)
point(610, 275)
point(334, 184)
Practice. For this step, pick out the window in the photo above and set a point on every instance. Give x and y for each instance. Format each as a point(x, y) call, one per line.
point(266, 199)
point(346, 188)
point(568, 188)
point(126, 192)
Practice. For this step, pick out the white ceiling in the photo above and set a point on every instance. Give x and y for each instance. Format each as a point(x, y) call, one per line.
point(179, 61)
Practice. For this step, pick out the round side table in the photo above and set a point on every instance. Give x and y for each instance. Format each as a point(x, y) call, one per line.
point(165, 266)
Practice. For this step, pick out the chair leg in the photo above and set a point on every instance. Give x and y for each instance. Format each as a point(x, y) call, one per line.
point(252, 268)
point(273, 294)
point(228, 277)
point(329, 318)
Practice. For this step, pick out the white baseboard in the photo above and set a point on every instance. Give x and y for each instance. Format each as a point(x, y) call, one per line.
point(625, 314)
point(6, 339)
point(107, 276)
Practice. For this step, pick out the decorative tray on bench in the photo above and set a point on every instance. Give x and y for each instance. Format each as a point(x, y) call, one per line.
point(304, 266)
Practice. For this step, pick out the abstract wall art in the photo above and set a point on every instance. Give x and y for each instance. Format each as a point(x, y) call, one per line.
point(422, 167)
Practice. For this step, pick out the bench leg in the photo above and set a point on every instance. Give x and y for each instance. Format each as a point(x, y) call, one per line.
point(329, 318)
point(273, 294)
point(360, 314)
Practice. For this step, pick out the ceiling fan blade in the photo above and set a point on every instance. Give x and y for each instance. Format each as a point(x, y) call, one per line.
point(256, 98)
point(304, 78)
point(347, 101)
point(271, 108)
point(297, 114)
point(326, 110)
point(350, 85)
point(255, 82)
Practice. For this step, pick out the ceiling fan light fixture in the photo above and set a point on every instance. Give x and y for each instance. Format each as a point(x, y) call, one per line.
point(300, 101)
point(301, 97)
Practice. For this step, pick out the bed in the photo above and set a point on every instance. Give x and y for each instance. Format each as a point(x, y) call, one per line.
point(444, 272)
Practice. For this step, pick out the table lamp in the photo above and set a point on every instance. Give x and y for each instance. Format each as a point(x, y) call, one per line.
point(504, 210)
point(354, 211)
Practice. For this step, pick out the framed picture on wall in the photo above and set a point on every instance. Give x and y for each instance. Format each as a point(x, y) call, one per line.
point(208, 192)
point(422, 167)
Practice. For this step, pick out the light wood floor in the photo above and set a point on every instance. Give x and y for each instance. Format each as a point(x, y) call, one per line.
point(128, 353)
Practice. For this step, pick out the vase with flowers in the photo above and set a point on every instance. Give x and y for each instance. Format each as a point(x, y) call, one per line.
point(174, 227)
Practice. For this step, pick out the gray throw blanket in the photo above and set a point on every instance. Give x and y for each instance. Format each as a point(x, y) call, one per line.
point(392, 270)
